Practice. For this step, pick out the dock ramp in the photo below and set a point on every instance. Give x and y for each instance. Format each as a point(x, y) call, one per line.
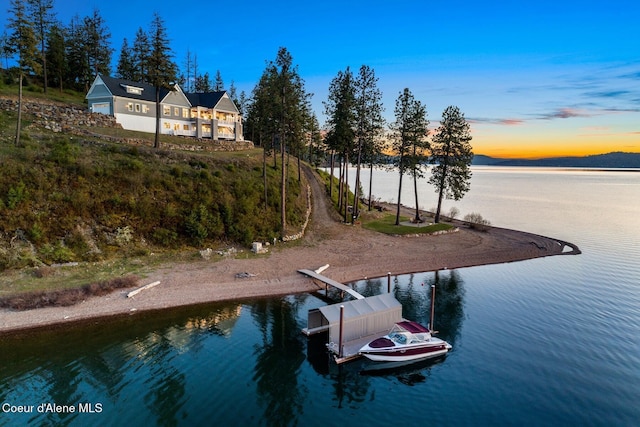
point(331, 282)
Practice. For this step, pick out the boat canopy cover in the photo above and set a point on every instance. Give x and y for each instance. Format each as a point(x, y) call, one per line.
point(363, 317)
point(413, 327)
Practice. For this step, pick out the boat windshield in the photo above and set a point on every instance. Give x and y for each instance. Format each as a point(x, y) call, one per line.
point(398, 337)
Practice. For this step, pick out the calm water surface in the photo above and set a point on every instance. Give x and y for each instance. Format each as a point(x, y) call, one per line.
point(551, 341)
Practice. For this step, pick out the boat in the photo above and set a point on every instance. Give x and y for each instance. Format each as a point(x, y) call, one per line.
point(405, 341)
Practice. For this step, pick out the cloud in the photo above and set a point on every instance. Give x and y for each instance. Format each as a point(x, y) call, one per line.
point(503, 122)
point(609, 94)
point(511, 122)
point(565, 113)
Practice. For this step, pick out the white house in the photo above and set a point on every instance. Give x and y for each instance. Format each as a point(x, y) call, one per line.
point(133, 104)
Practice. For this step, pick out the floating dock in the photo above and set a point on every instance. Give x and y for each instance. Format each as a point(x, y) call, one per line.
point(352, 324)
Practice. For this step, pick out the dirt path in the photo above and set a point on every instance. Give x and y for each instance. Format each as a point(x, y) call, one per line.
point(352, 253)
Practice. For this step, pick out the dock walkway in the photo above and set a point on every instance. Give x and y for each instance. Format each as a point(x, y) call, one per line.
point(331, 282)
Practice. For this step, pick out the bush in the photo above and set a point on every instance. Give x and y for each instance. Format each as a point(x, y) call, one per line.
point(474, 220)
point(62, 152)
point(65, 297)
point(164, 237)
point(453, 213)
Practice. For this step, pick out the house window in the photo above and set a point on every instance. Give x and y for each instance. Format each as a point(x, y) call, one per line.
point(166, 110)
point(176, 126)
point(166, 125)
point(129, 106)
point(185, 127)
point(145, 108)
point(176, 112)
point(132, 89)
point(137, 108)
point(185, 113)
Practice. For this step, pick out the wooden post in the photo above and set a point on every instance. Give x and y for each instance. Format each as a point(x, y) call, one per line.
point(433, 306)
point(341, 328)
point(389, 282)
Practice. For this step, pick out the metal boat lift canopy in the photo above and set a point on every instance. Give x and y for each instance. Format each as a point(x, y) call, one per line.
point(362, 317)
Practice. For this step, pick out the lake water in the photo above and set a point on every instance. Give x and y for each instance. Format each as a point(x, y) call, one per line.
point(551, 341)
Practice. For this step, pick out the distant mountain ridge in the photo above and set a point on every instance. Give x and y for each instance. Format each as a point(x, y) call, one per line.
point(610, 160)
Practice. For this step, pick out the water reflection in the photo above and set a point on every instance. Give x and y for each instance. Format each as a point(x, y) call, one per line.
point(207, 364)
point(278, 359)
point(131, 362)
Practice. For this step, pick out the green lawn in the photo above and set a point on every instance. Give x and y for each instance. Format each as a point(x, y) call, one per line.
point(386, 225)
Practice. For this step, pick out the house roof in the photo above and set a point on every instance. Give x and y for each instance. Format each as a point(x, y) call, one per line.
point(127, 89)
point(147, 92)
point(209, 99)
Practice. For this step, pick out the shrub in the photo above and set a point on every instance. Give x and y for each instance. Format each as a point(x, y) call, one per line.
point(164, 237)
point(65, 297)
point(124, 235)
point(16, 195)
point(57, 253)
point(453, 212)
point(62, 152)
point(474, 220)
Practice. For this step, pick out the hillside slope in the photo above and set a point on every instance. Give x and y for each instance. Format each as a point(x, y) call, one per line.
point(65, 197)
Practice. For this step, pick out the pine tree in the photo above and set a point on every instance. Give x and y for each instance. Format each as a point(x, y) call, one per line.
point(77, 58)
point(97, 47)
point(277, 112)
point(340, 110)
point(140, 52)
point(203, 83)
point(23, 42)
point(162, 69)
point(409, 140)
point(451, 154)
point(42, 17)
point(125, 69)
point(190, 76)
point(370, 123)
point(219, 83)
point(260, 123)
point(56, 55)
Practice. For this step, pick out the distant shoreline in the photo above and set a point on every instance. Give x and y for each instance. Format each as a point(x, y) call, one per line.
point(353, 253)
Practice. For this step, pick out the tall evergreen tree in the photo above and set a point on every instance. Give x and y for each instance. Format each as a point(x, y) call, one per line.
point(77, 58)
point(219, 83)
point(141, 52)
point(5, 48)
point(291, 116)
point(451, 154)
point(56, 55)
point(23, 42)
point(126, 68)
point(203, 83)
point(277, 112)
point(190, 75)
point(162, 70)
point(97, 47)
point(370, 123)
point(41, 12)
point(410, 129)
point(260, 125)
point(340, 110)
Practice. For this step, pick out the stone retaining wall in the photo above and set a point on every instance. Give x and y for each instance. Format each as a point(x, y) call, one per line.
point(58, 117)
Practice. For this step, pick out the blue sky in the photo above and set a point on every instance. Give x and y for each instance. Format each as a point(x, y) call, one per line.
point(534, 79)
